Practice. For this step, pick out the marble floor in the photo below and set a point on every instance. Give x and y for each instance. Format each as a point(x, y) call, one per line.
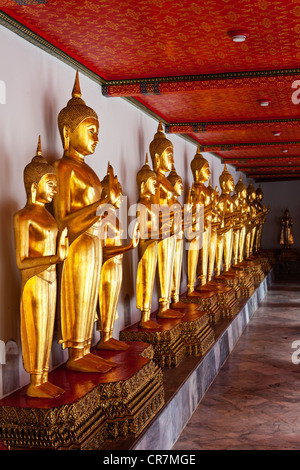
point(254, 401)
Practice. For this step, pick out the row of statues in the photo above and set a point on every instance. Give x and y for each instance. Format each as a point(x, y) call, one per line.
point(77, 252)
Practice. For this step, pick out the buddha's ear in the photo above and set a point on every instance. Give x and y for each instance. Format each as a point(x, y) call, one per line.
point(33, 189)
point(157, 158)
point(142, 188)
point(66, 136)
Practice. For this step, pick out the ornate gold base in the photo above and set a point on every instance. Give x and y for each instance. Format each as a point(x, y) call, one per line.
point(94, 407)
point(207, 301)
point(231, 278)
point(246, 284)
point(168, 347)
point(255, 268)
point(226, 295)
point(196, 332)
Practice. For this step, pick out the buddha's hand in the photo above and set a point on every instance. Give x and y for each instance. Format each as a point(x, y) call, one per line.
point(135, 235)
point(63, 246)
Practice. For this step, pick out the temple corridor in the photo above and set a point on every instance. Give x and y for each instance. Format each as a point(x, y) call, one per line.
point(253, 403)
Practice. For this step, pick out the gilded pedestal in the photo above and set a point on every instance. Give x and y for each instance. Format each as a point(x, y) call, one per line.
point(95, 407)
point(168, 347)
point(253, 267)
point(196, 332)
point(226, 295)
point(246, 283)
point(207, 301)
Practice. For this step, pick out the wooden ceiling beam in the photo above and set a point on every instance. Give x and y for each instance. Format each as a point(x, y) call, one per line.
point(223, 126)
point(195, 83)
point(244, 146)
point(255, 160)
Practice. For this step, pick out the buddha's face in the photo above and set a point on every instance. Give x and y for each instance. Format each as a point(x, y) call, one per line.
point(166, 159)
point(243, 193)
point(46, 189)
point(202, 174)
point(178, 187)
point(252, 196)
point(230, 184)
point(150, 186)
point(85, 137)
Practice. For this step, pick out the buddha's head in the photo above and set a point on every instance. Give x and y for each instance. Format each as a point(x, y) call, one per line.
point(259, 194)
point(251, 192)
point(111, 188)
point(78, 125)
point(226, 181)
point(161, 151)
point(39, 179)
point(176, 181)
point(146, 180)
point(200, 168)
point(241, 189)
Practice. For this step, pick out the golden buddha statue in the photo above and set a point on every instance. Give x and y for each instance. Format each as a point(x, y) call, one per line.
point(75, 205)
point(147, 248)
point(286, 233)
point(261, 212)
point(112, 269)
point(252, 220)
point(216, 223)
point(240, 197)
point(176, 182)
point(199, 246)
point(39, 247)
point(227, 203)
point(221, 229)
point(161, 152)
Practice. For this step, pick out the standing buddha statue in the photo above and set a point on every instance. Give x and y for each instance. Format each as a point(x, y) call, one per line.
point(112, 267)
point(75, 205)
point(215, 225)
point(199, 246)
point(261, 211)
point(252, 220)
point(147, 248)
point(239, 197)
point(227, 186)
point(176, 182)
point(161, 151)
point(39, 248)
point(286, 233)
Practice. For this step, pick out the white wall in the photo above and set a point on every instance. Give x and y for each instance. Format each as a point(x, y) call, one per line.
point(37, 87)
point(281, 195)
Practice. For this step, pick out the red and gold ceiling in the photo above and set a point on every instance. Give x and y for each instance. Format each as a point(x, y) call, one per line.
point(176, 60)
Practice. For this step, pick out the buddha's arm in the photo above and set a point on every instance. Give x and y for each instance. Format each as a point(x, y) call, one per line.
point(29, 265)
point(76, 220)
point(111, 251)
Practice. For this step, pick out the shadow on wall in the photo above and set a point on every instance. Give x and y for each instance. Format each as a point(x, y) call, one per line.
point(10, 278)
point(10, 367)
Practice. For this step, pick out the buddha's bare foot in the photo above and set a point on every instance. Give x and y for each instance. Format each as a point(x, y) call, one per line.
point(53, 389)
point(113, 345)
point(179, 305)
point(169, 313)
point(94, 358)
point(40, 391)
point(149, 325)
point(85, 365)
